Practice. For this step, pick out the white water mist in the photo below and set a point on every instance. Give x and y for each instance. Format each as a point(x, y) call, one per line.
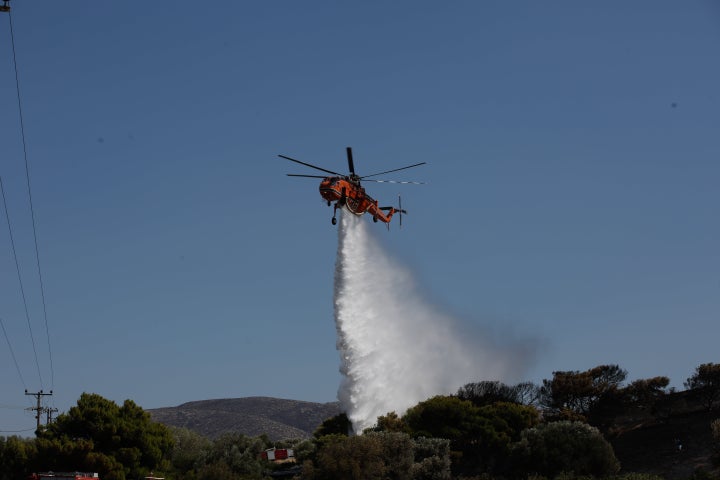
point(396, 349)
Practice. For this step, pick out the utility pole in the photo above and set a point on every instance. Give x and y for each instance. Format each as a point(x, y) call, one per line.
point(49, 411)
point(39, 409)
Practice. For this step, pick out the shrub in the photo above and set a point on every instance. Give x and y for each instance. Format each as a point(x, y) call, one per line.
point(557, 447)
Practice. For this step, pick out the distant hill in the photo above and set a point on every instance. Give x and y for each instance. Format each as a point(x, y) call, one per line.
point(252, 416)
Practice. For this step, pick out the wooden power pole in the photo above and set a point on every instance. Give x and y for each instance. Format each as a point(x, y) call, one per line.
point(49, 411)
point(39, 409)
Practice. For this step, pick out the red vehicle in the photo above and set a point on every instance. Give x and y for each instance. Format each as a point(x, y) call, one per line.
point(346, 191)
point(278, 455)
point(64, 476)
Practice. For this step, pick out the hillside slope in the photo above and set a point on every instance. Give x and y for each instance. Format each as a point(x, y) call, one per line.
point(653, 448)
point(252, 416)
point(674, 441)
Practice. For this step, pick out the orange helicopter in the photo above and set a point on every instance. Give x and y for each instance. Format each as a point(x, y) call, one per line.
point(346, 191)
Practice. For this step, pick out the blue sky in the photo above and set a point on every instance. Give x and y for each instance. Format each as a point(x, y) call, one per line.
point(572, 195)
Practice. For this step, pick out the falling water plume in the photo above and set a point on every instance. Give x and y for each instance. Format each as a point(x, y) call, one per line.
point(396, 348)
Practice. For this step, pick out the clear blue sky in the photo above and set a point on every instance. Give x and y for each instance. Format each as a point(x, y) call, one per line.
point(572, 198)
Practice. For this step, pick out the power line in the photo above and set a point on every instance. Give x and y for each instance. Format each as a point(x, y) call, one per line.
point(32, 210)
point(18, 431)
point(12, 353)
point(22, 289)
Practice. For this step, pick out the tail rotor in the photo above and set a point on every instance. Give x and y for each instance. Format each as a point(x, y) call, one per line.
point(400, 209)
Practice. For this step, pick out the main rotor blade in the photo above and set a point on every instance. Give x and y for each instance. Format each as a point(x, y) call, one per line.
point(306, 176)
point(351, 165)
point(395, 170)
point(310, 165)
point(394, 181)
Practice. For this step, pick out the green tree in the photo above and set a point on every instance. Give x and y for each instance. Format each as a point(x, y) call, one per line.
point(239, 453)
point(16, 455)
point(556, 447)
point(374, 455)
point(706, 381)
point(98, 435)
point(217, 471)
point(504, 423)
point(340, 423)
point(511, 418)
point(443, 417)
point(379, 455)
point(189, 450)
point(458, 421)
point(390, 423)
point(479, 437)
point(432, 459)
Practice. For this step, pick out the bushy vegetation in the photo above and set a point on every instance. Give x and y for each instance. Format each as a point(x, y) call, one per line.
point(488, 430)
point(97, 435)
point(16, 457)
point(564, 446)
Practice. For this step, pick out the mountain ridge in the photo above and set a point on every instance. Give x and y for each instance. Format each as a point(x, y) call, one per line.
point(278, 418)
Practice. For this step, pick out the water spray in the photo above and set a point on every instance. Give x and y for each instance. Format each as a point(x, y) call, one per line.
point(396, 349)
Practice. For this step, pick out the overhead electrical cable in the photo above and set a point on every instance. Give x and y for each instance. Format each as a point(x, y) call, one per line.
point(22, 289)
point(12, 353)
point(18, 431)
point(32, 210)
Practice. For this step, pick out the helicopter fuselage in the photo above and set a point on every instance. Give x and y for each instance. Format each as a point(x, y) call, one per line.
point(347, 192)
